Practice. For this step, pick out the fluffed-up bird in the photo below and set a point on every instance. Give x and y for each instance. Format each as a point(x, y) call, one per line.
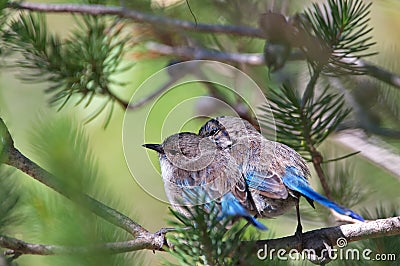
point(275, 174)
point(192, 166)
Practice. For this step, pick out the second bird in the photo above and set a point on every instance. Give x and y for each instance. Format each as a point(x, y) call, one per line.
point(275, 174)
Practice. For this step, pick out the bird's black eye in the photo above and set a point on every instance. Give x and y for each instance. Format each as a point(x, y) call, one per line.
point(214, 131)
point(211, 128)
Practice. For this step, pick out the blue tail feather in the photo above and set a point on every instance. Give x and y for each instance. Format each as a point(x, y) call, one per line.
point(294, 181)
point(232, 207)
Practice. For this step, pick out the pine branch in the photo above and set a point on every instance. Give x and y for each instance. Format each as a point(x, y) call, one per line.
point(191, 53)
point(83, 64)
point(156, 241)
point(197, 53)
point(341, 27)
point(350, 232)
point(373, 149)
point(311, 240)
point(18, 246)
point(257, 59)
point(136, 16)
point(17, 160)
point(13, 157)
point(316, 156)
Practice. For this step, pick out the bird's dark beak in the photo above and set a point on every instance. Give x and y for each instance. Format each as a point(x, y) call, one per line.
point(157, 147)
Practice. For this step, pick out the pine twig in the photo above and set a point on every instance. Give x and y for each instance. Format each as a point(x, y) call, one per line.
point(350, 232)
point(309, 91)
point(257, 59)
point(317, 160)
point(171, 81)
point(18, 246)
point(13, 157)
point(17, 160)
point(311, 240)
point(189, 53)
point(316, 156)
point(143, 101)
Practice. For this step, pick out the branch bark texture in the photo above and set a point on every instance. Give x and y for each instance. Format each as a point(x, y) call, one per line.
point(350, 232)
point(188, 52)
point(311, 240)
point(138, 17)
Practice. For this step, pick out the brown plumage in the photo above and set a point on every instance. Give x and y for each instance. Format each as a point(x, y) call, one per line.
point(196, 171)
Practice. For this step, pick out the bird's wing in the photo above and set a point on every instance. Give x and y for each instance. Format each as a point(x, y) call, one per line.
point(230, 206)
point(267, 183)
point(286, 156)
point(294, 180)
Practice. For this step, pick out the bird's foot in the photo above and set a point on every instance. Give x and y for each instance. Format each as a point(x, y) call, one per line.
point(299, 235)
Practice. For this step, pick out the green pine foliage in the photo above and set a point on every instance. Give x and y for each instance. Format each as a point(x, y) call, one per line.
point(304, 127)
point(201, 238)
point(82, 64)
point(3, 18)
point(9, 201)
point(302, 121)
point(344, 190)
point(64, 150)
point(342, 28)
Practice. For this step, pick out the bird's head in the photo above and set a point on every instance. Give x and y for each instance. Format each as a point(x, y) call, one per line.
point(214, 130)
point(155, 147)
point(226, 130)
point(185, 150)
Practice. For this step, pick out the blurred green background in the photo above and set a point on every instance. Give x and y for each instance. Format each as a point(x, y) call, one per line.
point(48, 138)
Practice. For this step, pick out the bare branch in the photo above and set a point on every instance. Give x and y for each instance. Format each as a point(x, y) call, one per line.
point(13, 157)
point(316, 156)
point(138, 17)
point(18, 160)
point(350, 232)
point(163, 87)
point(379, 73)
point(176, 73)
point(18, 246)
point(373, 149)
point(311, 240)
point(189, 53)
point(146, 240)
point(256, 59)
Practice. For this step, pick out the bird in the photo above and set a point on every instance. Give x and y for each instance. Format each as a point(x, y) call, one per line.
point(275, 174)
point(195, 171)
